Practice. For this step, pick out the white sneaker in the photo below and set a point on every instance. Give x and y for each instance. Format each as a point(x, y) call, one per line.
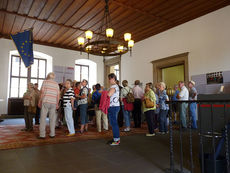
point(148, 134)
point(126, 129)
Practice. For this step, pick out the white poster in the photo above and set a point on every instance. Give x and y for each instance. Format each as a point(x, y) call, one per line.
point(63, 73)
point(69, 73)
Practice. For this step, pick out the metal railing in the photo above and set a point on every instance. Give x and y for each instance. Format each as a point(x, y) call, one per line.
point(210, 104)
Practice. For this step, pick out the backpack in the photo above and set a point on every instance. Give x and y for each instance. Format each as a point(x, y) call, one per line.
point(82, 91)
point(130, 97)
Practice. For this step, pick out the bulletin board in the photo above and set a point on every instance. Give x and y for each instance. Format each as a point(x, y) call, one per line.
point(63, 73)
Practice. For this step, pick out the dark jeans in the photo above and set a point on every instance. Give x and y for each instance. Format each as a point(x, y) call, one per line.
point(76, 116)
point(120, 118)
point(163, 120)
point(83, 114)
point(149, 118)
point(137, 112)
point(175, 107)
point(37, 115)
point(155, 120)
point(113, 113)
point(28, 118)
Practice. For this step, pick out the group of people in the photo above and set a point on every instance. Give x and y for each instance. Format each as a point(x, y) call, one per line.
point(73, 101)
point(186, 94)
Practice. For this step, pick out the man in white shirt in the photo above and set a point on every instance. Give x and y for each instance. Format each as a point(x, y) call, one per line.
point(138, 94)
point(183, 95)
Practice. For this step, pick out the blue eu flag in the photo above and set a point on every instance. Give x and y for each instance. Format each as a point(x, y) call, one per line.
point(24, 43)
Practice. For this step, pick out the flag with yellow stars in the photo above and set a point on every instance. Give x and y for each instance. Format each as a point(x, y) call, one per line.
point(24, 44)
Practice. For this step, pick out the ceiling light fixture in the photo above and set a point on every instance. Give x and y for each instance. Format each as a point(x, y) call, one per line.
point(105, 44)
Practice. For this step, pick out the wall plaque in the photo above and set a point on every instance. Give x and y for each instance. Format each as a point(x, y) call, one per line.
point(214, 78)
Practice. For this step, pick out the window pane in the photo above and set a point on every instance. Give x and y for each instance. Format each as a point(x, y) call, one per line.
point(23, 70)
point(23, 86)
point(77, 73)
point(34, 69)
point(85, 72)
point(33, 81)
point(14, 87)
point(40, 83)
point(117, 73)
point(15, 65)
point(116, 67)
point(42, 69)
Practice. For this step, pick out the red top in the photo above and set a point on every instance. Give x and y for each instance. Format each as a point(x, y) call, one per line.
point(104, 102)
point(76, 91)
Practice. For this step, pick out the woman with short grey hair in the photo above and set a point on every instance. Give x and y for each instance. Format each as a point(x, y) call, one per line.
point(163, 97)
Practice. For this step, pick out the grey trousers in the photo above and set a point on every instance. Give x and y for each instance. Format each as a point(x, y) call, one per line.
point(183, 113)
point(51, 110)
point(28, 119)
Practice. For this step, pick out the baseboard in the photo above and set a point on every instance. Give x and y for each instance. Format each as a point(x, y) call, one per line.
point(6, 116)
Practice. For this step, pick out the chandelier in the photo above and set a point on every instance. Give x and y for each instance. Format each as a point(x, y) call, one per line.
point(104, 43)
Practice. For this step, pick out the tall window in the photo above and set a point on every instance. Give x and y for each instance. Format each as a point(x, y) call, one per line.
point(116, 71)
point(38, 71)
point(86, 69)
point(81, 72)
point(20, 75)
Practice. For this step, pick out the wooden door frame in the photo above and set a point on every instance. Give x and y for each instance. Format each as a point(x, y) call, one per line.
point(180, 59)
point(107, 64)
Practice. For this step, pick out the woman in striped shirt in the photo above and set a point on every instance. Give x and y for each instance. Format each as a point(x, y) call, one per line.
point(68, 104)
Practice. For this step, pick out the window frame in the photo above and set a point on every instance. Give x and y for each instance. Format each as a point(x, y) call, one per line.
point(81, 65)
point(23, 77)
point(38, 78)
point(117, 71)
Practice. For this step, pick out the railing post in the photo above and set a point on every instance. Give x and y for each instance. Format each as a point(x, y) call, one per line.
point(181, 143)
point(172, 168)
point(201, 138)
point(226, 139)
point(171, 139)
point(213, 139)
point(190, 138)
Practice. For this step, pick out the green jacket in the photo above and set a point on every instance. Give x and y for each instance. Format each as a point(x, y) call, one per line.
point(150, 94)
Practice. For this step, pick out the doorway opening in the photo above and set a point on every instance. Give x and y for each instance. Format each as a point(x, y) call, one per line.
point(112, 66)
point(171, 69)
point(172, 75)
point(115, 69)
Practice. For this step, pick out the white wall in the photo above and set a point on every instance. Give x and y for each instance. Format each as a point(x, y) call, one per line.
point(61, 57)
point(207, 39)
